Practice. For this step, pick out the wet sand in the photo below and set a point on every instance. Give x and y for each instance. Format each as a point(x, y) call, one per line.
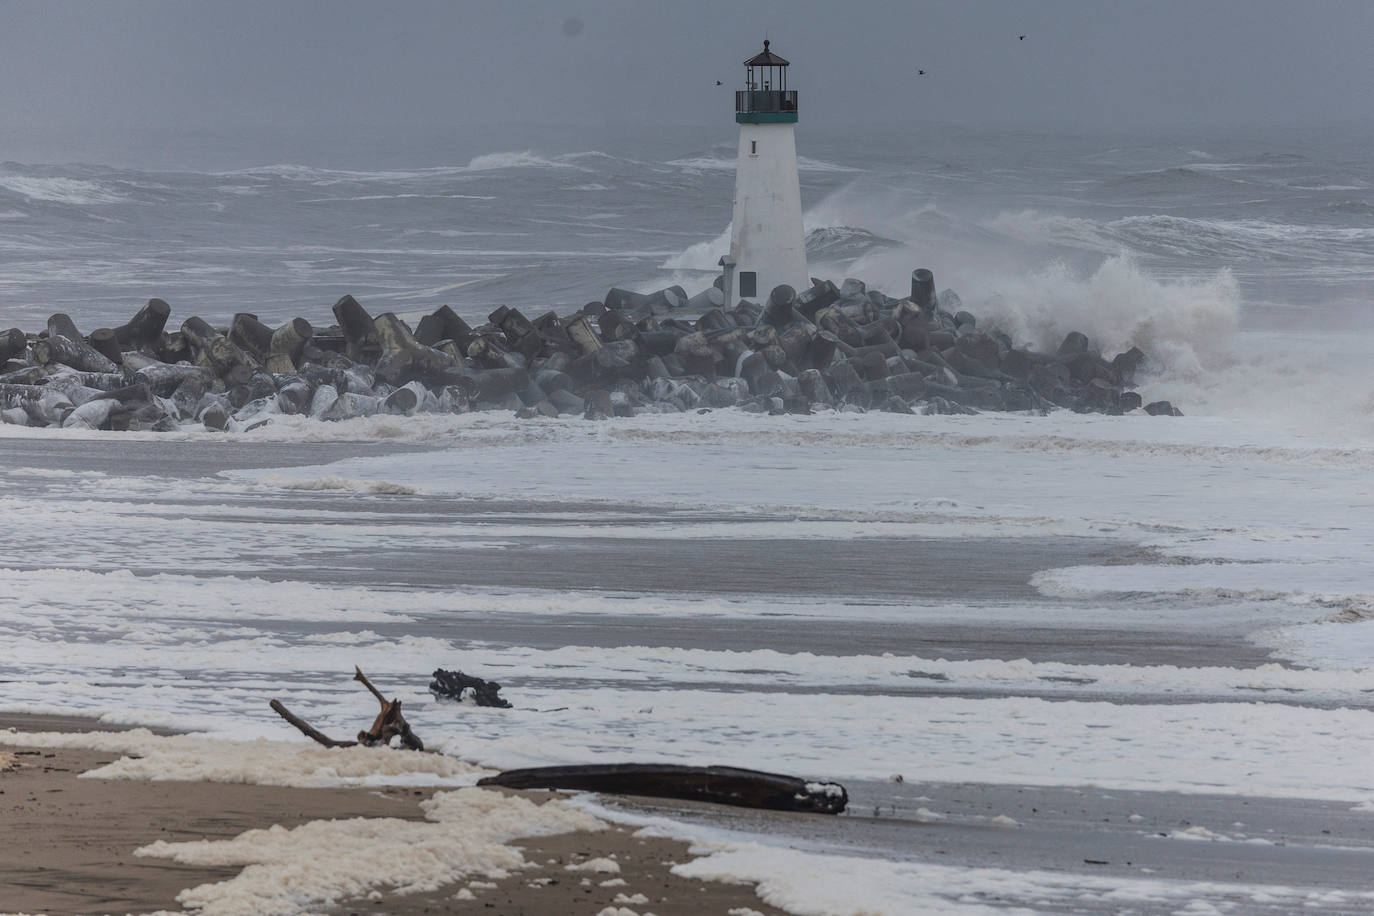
point(71, 842)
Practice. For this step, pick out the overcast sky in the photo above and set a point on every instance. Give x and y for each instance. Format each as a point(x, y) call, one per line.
point(1092, 64)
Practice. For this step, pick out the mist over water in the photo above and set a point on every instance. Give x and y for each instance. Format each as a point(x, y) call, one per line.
point(1165, 242)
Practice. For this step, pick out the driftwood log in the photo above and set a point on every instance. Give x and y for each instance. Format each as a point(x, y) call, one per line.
point(453, 685)
point(720, 785)
point(389, 723)
point(306, 728)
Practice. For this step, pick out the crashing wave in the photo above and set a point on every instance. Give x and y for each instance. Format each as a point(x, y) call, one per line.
point(844, 243)
point(75, 191)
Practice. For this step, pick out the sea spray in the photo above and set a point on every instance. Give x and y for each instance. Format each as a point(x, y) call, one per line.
point(1119, 305)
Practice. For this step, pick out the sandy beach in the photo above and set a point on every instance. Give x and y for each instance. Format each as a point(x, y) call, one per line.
point(72, 843)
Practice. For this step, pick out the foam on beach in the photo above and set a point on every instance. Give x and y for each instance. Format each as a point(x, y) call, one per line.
point(324, 862)
point(189, 758)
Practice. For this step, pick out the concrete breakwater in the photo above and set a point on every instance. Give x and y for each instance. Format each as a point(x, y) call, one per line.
point(830, 347)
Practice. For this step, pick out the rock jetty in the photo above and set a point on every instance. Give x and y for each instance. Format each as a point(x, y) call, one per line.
point(832, 346)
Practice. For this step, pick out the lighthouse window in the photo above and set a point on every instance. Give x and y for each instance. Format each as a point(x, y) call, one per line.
point(748, 283)
point(753, 147)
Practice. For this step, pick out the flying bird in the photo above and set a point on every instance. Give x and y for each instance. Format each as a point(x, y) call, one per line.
point(1022, 38)
point(719, 83)
point(920, 73)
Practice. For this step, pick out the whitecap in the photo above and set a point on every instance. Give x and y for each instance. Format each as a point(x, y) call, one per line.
point(515, 160)
point(61, 190)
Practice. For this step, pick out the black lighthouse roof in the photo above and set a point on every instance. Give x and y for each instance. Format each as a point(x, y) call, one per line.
point(766, 59)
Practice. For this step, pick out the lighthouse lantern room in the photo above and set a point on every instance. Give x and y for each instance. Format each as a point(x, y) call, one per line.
point(767, 242)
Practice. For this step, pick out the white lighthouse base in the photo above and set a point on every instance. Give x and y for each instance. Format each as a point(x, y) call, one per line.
point(767, 241)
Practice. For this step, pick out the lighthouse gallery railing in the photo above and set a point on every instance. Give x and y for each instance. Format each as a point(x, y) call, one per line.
point(752, 101)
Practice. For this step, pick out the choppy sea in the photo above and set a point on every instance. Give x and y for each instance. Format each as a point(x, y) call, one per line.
point(551, 217)
point(1106, 604)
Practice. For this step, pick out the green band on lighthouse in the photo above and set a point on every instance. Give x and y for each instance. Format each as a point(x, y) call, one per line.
point(765, 117)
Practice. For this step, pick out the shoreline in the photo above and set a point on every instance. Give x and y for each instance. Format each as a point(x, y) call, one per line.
point(79, 837)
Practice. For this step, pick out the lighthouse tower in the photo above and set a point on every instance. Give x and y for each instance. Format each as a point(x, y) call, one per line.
point(767, 243)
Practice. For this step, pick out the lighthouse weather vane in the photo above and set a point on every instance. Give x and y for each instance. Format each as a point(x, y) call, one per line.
point(767, 241)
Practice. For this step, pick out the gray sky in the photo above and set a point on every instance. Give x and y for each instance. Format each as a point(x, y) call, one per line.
point(1088, 63)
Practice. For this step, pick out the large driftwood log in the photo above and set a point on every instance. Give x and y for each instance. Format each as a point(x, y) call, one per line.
point(721, 785)
point(452, 685)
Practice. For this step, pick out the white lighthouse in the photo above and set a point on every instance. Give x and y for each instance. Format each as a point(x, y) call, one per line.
point(767, 242)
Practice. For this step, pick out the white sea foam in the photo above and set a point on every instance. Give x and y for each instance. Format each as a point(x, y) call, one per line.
point(104, 598)
point(322, 863)
point(196, 758)
point(657, 704)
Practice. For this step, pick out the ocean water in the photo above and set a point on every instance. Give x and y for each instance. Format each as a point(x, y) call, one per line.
point(1178, 606)
point(551, 217)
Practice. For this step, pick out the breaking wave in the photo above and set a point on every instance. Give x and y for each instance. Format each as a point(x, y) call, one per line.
point(839, 243)
point(1196, 240)
point(518, 160)
point(1119, 306)
point(346, 485)
point(482, 163)
point(75, 191)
